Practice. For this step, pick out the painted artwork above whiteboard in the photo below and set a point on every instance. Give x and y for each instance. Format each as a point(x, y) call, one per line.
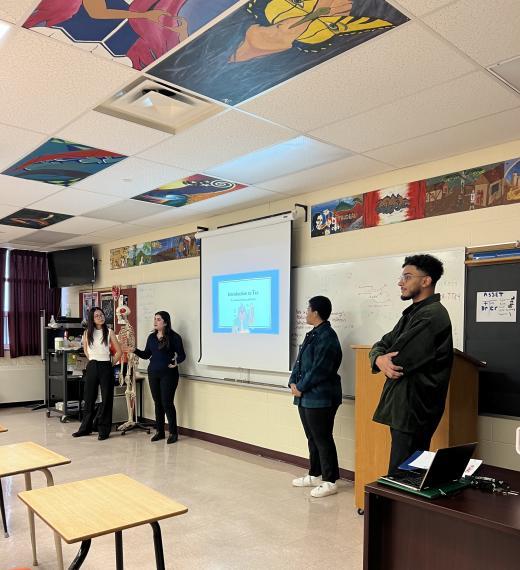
point(366, 301)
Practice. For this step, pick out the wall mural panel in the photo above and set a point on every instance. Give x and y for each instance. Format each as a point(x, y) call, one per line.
point(471, 189)
point(167, 249)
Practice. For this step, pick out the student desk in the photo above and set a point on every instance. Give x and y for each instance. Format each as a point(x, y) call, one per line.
point(2, 428)
point(472, 530)
point(82, 510)
point(25, 458)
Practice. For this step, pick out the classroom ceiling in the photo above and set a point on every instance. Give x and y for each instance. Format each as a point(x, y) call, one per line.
point(350, 92)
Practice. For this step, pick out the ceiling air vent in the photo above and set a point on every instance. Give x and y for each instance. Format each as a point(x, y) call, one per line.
point(508, 72)
point(158, 106)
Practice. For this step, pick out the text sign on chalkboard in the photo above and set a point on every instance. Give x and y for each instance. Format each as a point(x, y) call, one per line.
point(496, 306)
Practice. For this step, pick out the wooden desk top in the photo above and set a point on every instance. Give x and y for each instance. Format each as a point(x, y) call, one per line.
point(94, 507)
point(2, 428)
point(501, 512)
point(28, 456)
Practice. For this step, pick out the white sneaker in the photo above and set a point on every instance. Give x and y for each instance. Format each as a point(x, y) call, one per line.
point(325, 489)
point(306, 481)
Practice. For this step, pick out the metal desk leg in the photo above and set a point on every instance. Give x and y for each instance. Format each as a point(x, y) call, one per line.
point(119, 550)
point(2, 508)
point(57, 539)
point(28, 487)
point(81, 555)
point(157, 543)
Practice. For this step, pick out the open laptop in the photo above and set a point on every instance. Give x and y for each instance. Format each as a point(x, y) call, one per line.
point(448, 465)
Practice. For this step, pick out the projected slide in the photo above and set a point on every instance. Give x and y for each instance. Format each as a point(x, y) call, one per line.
point(246, 303)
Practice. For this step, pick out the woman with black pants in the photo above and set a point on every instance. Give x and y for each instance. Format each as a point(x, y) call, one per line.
point(165, 351)
point(97, 340)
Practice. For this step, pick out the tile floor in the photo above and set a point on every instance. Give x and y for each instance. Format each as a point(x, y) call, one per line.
point(243, 511)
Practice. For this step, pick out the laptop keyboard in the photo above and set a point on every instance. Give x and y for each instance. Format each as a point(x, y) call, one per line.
point(412, 479)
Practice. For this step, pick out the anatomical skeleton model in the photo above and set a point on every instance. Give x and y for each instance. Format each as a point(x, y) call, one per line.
point(126, 337)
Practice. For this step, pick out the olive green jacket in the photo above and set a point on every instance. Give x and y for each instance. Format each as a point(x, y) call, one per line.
point(423, 339)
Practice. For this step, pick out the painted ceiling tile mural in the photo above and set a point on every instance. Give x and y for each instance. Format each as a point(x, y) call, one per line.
point(266, 42)
point(336, 216)
point(133, 32)
point(469, 189)
point(36, 219)
point(395, 204)
point(189, 190)
point(63, 163)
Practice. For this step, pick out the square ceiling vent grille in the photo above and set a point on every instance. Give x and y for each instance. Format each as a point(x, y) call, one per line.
point(158, 106)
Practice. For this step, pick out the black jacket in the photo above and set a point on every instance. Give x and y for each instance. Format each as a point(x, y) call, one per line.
point(424, 342)
point(315, 371)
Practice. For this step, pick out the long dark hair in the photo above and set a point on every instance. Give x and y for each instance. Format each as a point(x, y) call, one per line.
point(91, 326)
point(165, 340)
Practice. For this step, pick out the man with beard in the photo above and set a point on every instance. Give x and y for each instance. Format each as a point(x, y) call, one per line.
point(416, 357)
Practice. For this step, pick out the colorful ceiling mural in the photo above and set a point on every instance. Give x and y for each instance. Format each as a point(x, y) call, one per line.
point(266, 42)
point(35, 219)
point(472, 189)
point(133, 32)
point(189, 190)
point(63, 163)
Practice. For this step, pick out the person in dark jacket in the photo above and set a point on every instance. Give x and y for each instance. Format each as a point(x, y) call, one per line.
point(416, 357)
point(316, 386)
point(165, 351)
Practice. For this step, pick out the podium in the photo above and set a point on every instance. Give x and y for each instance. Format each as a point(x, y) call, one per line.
point(458, 424)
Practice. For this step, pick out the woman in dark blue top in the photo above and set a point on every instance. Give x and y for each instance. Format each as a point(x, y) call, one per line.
point(165, 351)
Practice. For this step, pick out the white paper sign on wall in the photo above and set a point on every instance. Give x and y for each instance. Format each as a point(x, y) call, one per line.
point(496, 306)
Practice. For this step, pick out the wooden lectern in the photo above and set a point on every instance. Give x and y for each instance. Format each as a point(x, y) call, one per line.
point(458, 424)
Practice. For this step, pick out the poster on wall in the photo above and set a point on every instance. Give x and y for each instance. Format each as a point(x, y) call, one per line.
point(107, 304)
point(394, 204)
point(496, 306)
point(89, 300)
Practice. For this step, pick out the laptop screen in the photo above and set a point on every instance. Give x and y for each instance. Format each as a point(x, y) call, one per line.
point(448, 465)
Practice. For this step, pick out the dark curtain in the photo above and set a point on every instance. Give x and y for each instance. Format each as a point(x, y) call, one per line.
point(2, 292)
point(29, 293)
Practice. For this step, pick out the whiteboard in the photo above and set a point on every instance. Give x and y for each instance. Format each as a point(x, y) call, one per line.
point(365, 299)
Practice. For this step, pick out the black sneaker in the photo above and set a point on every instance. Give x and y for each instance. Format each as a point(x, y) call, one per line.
point(80, 433)
point(172, 438)
point(158, 436)
point(101, 437)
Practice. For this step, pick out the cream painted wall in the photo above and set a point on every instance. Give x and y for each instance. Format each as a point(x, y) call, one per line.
point(267, 418)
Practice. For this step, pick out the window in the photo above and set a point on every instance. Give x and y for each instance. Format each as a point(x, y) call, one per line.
point(5, 308)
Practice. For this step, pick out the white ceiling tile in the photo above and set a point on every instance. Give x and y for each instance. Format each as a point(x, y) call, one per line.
point(327, 175)
point(487, 31)
point(7, 210)
point(16, 143)
point(173, 217)
point(246, 197)
point(488, 131)
point(106, 132)
point(46, 84)
point(127, 211)
point(79, 241)
point(461, 100)
point(74, 202)
point(217, 140)
point(21, 193)
point(82, 225)
point(118, 232)
point(132, 178)
point(12, 232)
point(421, 7)
point(279, 160)
point(396, 64)
point(16, 10)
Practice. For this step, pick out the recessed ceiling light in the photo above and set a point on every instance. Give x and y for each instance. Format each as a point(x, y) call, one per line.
point(4, 28)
